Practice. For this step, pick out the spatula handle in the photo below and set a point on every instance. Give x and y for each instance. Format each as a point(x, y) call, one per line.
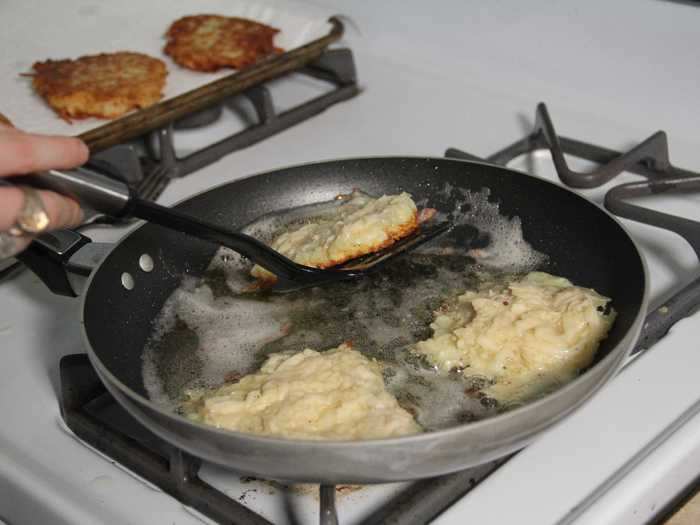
point(87, 186)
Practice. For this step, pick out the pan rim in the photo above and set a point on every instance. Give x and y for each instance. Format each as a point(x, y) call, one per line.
point(612, 361)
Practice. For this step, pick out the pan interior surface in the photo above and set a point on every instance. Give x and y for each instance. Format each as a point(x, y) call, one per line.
point(565, 235)
point(213, 328)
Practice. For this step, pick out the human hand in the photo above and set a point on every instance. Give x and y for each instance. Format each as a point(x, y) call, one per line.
point(22, 153)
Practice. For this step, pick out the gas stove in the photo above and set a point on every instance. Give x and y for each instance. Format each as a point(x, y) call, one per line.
point(95, 417)
point(621, 458)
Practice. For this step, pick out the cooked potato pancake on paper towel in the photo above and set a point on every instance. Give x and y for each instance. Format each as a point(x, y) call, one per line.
point(337, 394)
point(523, 336)
point(360, 225)
point(212, 42)
point(103, 86)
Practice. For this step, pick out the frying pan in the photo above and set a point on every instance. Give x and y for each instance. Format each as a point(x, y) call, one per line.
point(583, 243)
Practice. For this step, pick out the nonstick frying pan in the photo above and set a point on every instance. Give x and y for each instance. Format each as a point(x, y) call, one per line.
point(583, 243)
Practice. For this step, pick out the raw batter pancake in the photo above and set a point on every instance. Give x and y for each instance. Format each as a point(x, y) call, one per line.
point(523, 336)
point(338, 394)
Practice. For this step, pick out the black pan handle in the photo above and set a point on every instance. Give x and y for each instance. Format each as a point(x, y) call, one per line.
point(49, 255)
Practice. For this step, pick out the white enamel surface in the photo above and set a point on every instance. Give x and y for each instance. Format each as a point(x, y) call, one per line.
point(461, 74)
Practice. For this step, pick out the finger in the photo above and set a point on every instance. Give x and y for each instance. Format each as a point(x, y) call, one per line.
point(62, 211)
point(25, 153)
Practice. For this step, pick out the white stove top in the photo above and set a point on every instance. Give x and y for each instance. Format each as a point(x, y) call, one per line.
point(453, 75)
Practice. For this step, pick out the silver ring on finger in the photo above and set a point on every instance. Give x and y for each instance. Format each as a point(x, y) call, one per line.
point(32, 218)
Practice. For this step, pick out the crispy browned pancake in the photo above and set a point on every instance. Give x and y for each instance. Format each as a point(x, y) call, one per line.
point(4, 120)
point(104, 86)
point(360, 226)
point(212, 42)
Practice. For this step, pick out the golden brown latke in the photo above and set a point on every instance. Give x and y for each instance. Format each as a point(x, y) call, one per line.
point(213, 42)
point(265, 278)
point(4, 120)
point(104, 86)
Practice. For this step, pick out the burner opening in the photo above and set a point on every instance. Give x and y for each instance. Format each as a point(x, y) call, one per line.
point(200, 119)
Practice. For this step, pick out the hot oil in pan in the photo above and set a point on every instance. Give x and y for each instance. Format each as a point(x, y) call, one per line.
point(209, 331)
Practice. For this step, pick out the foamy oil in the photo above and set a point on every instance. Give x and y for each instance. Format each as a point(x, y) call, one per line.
point(213, 329)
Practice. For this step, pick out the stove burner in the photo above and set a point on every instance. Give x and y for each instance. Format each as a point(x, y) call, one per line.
point(335, 66)
point(149, 163)
point(649, 159)
point(97, 419)
point(200, 119)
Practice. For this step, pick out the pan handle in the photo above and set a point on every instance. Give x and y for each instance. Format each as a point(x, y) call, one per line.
point(63, 259)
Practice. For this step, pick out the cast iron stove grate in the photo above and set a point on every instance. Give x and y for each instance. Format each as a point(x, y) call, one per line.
point(94, 416)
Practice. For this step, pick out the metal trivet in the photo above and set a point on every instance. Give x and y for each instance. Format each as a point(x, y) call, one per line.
point(96, 418)
point(650, 159)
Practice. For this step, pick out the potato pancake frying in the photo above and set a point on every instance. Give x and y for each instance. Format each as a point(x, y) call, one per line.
point(331, 395)
point(359, 225)
point(523, 336)
point(213, 42)
point(104, 86)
